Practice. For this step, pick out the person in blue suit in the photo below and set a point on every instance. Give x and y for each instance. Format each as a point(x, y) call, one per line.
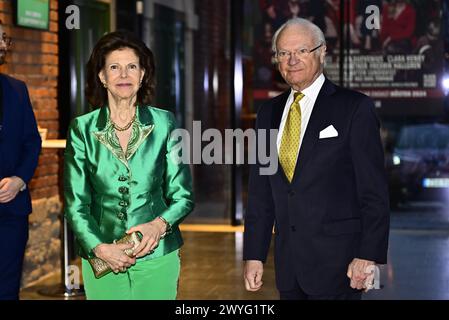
point(328, 202)
point(20, 145)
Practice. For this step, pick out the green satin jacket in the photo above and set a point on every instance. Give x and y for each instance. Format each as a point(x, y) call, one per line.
point(107, 191)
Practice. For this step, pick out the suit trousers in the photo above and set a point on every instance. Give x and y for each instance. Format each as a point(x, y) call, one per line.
point(13, 240)
point(155, 279)
point(298, 294)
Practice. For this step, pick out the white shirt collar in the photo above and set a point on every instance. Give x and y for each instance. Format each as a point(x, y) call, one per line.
point(313, 90)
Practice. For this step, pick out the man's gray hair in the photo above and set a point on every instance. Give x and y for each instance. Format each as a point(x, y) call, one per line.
point(317, 34)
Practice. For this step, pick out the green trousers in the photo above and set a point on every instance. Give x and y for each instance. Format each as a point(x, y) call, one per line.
point(155, 279)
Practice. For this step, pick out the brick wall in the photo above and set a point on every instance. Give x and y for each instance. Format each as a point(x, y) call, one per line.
point(34, 60)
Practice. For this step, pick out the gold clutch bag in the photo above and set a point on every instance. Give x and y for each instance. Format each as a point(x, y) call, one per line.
point(101, 268)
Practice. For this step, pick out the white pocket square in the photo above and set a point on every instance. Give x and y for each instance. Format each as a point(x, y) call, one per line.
point(329, 132)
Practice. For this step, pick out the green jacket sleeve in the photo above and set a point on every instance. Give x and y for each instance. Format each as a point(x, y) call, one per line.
point(77, 193)
point(178, 183)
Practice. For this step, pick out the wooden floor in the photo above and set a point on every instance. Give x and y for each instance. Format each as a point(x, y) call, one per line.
point(211, 268)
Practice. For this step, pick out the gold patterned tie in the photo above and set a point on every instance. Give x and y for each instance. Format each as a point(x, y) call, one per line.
point(288, 151)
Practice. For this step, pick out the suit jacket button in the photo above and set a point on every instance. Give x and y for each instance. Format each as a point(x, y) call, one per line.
point(293, 228)
point(123, 203)
point(121, 216)
point(291, 193)
point(123, 190)
point(122, 178)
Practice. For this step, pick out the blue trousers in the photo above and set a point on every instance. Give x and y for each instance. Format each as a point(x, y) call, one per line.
point(13, 239)
point(298, 294)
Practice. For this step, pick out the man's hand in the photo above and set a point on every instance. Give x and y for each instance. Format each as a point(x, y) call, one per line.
point(9, 188)
point(252, 274)
point(358, 272)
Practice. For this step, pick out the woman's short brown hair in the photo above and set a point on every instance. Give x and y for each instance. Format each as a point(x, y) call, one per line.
point(96, 94)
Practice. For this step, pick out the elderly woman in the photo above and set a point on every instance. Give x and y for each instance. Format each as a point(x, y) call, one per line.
point(119, 177)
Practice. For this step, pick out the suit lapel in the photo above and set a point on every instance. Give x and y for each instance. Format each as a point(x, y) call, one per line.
point(144, 131)
point(318, 119)
point(276, 117)
point(107, 137)
point(278, 109)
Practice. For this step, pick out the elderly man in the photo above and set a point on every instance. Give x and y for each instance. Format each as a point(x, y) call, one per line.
point(328, 202)
point(20, 145)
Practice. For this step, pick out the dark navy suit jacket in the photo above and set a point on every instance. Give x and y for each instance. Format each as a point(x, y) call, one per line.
point(20, 142)
point(335, 209)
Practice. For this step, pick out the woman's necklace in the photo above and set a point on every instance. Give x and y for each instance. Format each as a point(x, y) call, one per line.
point(126, 127)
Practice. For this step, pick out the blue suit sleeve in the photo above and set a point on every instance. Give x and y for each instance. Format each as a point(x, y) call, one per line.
point(259, 218)
point(31, 141)
point(372, 187)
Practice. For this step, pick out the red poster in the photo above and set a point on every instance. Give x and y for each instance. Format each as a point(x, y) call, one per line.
point(398, 56)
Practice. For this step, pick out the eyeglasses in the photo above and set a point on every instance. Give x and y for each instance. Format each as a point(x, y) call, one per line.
point(283, 56)
point(6, 40)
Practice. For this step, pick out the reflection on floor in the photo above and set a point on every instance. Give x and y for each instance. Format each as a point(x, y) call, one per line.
point(418, 265)
point(211, 269)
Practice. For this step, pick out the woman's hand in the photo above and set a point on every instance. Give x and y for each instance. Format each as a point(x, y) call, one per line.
point(151, 232)
point(114, 255)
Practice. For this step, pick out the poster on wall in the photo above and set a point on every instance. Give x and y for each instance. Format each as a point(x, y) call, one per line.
point(399, 57)
point(271, 15)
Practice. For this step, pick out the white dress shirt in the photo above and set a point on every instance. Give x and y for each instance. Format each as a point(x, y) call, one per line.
point(306, 104)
